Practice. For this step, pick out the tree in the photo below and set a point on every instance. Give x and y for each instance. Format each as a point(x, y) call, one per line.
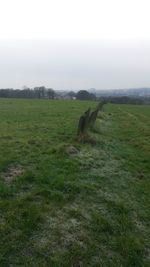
point(50, 93)
point(71, 94)
point(85, 95)
point(40, 91)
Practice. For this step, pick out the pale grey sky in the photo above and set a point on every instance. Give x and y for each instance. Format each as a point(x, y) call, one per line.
point(74, 44)
point(75, 64)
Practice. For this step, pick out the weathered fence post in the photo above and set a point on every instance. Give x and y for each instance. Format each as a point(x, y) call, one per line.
point(93, 117)
point(100, 105)
point(83, 123)
point(87, 120)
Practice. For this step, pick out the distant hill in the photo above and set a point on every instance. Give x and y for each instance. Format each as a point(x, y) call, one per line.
point(132, 92)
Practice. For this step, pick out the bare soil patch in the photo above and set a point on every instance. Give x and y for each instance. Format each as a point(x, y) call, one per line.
point(71, 150)
point(12, 172)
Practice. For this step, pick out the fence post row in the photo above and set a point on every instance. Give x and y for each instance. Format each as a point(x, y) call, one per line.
point(88, 119)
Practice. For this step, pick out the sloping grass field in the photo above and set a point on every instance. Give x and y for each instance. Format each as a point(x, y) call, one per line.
point(91, 208)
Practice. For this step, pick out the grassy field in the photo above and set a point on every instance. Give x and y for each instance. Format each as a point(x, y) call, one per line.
point(87, 209)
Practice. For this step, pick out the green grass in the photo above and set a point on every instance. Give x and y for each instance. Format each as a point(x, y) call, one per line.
point(90, 209)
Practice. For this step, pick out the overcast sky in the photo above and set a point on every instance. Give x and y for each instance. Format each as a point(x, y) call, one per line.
point(75, 44)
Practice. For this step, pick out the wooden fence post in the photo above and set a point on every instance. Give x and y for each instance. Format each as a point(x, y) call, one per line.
point(87, 120)
point(83, 123)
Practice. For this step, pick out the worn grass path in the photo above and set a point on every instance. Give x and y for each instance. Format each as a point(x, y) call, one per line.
point(90, 209)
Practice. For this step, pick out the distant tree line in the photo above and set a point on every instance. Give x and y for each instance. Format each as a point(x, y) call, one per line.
point(126, 100)
point(43, 92)
point(37, 92)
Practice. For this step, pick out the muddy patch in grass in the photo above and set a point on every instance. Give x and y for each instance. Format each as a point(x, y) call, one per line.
point(11, 172)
